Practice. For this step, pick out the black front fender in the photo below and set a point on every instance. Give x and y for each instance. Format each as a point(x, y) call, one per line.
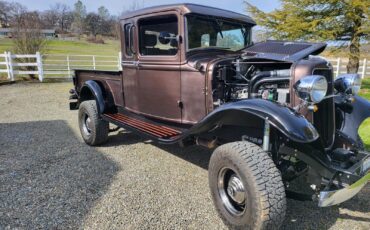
point(294, 126)
point(95, 89)
point(354, 118)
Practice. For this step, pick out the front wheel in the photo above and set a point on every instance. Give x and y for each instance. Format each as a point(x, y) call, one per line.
point(246, 187)
point(94, 130)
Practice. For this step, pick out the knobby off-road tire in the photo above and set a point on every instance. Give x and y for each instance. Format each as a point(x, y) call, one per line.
point(93, 129)
point(261, 183)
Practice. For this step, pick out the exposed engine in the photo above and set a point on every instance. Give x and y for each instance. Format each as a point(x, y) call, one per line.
point(240, 79)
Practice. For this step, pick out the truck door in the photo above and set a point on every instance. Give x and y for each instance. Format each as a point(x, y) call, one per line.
point(129, 65)
point(158, 66)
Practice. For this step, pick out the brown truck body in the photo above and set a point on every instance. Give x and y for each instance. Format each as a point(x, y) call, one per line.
point(191, 75)
point(157, 85)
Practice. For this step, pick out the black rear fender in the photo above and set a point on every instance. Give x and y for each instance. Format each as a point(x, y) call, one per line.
point(91, 90)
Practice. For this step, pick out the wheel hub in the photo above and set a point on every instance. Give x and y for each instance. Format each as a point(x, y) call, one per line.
point(231, 191)
point(235, 190)
point(88, 124)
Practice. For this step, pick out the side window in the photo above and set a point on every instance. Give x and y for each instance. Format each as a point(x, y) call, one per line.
point(128, 39)
point(158, 35)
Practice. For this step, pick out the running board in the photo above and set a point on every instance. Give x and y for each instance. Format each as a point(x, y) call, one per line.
point(157, 131)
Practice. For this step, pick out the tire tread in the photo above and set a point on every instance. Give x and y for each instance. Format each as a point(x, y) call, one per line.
point(267, 181)
point(100, 134)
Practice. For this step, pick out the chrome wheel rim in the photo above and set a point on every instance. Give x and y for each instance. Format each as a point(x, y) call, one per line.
point(231, 191)
point(86, 124)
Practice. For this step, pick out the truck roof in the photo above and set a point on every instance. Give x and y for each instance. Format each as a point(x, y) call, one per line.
point(187, 8)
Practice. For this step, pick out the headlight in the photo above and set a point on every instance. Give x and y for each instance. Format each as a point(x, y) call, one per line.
point(348, 83)
point(312, 88)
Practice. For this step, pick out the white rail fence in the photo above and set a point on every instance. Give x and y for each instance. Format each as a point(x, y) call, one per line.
point(340, 66)
point(21, 64)
point(54, 65)
point(62, 66)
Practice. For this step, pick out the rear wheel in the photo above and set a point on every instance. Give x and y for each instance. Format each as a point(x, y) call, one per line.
point(94, 130)
point(246, 187)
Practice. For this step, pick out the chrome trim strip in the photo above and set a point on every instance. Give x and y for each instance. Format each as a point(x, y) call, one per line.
point(329, 198)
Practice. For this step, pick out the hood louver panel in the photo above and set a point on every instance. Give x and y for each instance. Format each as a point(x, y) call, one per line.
point(282, 50)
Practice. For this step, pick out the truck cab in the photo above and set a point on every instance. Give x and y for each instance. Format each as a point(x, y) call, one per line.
point(271, 112)
point(157, 45)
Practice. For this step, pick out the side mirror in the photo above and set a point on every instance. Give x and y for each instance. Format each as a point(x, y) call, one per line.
point(175, 41)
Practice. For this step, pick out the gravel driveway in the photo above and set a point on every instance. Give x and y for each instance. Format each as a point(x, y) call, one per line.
point(50, 179)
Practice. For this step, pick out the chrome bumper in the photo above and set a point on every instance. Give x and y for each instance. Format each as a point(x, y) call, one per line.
point(329, 198)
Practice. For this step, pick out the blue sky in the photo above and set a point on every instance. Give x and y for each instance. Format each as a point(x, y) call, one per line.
point(117, 6)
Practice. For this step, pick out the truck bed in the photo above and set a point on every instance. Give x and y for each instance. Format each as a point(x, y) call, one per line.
point(111, 82)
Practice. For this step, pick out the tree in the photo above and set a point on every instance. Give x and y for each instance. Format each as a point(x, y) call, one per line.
point(92, 23)
point(319, 20)
point(4, 14)
point(49, 19)
point(115, 26)
point(65, 16)
point(17, 14)
point(79, 15)
point(10, 13)
point(59, 16)
point(103, 13)
point(105, 22)
point(27, 36)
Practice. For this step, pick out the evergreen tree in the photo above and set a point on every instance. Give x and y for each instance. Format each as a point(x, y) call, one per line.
point(319, 20)
point(103, 13)
point(79, 15)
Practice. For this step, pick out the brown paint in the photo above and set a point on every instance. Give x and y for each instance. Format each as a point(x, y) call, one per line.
point(170, 88)
point(111, 82)
point(299, 70)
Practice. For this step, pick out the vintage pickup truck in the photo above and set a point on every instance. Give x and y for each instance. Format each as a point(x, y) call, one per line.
point(271, 111)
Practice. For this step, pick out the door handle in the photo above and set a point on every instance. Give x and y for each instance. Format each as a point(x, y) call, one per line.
point(137, 64)
point(131, 63)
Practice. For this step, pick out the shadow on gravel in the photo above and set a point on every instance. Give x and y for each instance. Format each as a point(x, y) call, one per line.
point(48, 179)
point(123, 137)
point(300, 215)
point(194, 154)
point(306, 215)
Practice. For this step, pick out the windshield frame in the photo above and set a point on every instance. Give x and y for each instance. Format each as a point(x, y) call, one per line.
point(246, 25)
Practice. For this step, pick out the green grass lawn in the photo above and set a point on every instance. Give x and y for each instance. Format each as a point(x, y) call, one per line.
point(78, 47)
point(365, 127)
point(5, 45)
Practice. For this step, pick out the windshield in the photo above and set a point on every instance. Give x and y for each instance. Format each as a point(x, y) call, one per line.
point(213, 32)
